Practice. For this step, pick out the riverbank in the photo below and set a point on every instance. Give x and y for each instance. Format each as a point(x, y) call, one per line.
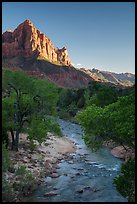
point(87, 177)
point(119, 151)
point(41, 162)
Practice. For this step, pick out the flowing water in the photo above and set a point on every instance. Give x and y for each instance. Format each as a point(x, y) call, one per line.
point(87, 177)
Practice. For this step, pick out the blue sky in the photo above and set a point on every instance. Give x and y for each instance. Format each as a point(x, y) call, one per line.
point(96, 34)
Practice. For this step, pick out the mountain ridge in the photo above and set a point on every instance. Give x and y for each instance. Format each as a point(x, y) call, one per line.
point(28, 49)
point(27, 41)
point(126, 79)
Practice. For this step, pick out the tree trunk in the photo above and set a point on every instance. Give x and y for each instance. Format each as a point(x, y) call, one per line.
point(13, 139)
point(17, 140)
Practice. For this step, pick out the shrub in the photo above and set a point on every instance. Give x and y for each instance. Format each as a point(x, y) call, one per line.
point(5, 158)
point(26, 181)
point(7, 191)
point(32, 145)
point(125, 183)
point(21, 170)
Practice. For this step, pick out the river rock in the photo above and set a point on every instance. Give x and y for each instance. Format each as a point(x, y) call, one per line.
point(54, 175)
point(87, 187)
point(70, 162)
point(51, 193)
point(80, 169)
point(25, 160)
point(55, 188)
point(80, 191)
point(77, 173)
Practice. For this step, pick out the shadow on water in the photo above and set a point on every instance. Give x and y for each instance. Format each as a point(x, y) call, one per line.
point(87, 177)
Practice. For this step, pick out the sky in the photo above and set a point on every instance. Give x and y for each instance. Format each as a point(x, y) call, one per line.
point(97, 35)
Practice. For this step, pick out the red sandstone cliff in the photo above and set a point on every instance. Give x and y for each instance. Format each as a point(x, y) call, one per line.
point(27, 41)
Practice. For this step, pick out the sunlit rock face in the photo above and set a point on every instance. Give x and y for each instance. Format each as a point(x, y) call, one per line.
point(28, 41)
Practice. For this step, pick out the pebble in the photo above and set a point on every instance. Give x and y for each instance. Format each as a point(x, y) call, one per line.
point(51, 193)
point(70, 162)
point(80, 169)
point(87, 187)
point(77, 173)
point(80, 191)
point(54, 175)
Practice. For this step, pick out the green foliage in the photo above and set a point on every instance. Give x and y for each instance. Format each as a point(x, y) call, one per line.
point(104, 96)
point(70, 101)
point(87, 97)
point(27, 101)
point(125, 183)
point(37, 129)
point(72, 109)
point(54, 127)
point(7, 191)
point(63, 113)
point(21, 170)
point(90, 119)
point(26, 181)
point(32, 145)
point(5, 138)
point(5, 158)
point(115, 121)
point(47, 95)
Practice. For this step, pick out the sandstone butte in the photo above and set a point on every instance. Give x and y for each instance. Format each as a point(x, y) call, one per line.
point(27, 41)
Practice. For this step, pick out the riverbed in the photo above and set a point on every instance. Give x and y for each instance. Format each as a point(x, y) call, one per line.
point(86, 177)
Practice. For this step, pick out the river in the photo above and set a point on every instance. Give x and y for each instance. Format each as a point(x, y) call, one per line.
point(87, 177)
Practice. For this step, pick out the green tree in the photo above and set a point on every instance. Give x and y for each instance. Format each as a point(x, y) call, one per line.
point(26, 98)
point(125, 182)
point(115, 121)
point(104, 96)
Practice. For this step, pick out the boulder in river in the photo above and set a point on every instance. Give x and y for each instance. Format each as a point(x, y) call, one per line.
point(77, 173)
point(80, 191)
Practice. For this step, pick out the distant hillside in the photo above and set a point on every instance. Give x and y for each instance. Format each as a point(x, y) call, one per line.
point(124, 79)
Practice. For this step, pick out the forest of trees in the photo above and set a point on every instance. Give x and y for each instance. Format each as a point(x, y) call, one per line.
point(31, 105)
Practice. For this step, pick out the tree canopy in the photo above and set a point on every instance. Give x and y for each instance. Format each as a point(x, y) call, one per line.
point(27, 101)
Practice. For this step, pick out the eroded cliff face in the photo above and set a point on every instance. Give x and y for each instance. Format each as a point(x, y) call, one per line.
point(28, 49)
point(27, 41)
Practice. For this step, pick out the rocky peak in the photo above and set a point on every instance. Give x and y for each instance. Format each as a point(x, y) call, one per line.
point(27, 41)
point(62, 55)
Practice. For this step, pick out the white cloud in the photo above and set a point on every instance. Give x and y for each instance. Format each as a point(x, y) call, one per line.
point(78, 64)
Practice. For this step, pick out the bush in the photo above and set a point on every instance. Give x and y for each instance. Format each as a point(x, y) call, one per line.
point(7, 191)
point(21, 170)
point(26, 181)
point(125, 183)
point(32, 145)
point(5, 138)
point(5, 158)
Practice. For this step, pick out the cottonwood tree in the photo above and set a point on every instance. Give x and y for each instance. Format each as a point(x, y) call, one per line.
point(115, 121)
point(26, 100)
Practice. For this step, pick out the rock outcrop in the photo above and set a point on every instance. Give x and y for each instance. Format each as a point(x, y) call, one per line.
point(27, 41)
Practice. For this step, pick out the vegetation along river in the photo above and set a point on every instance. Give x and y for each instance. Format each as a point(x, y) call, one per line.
point(87, 177)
